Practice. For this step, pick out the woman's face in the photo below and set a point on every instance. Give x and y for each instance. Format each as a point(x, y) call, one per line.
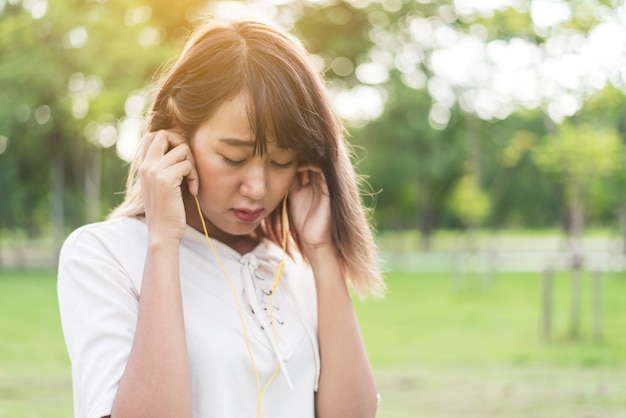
point(238, 189)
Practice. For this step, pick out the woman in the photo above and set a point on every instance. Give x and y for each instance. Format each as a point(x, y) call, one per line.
point(183, 303)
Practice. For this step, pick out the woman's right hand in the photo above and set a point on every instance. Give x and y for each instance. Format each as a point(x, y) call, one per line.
point(167, 160)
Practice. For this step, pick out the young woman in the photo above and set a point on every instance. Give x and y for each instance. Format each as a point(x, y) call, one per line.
point(183, 303)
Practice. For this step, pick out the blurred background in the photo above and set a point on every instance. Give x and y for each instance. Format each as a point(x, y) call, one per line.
point(492, 137)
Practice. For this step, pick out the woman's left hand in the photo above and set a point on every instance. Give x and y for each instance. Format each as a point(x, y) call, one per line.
point(309, 207)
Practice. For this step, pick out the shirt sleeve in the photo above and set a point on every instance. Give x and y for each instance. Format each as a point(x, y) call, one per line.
point(98, 303)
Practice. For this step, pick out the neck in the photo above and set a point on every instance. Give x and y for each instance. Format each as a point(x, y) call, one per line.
point(241, 243)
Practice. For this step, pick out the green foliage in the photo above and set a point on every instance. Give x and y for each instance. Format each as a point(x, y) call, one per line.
point(75, 66)
point(337, 30)
point(580, 152)
point(519, 145)
point(520, 193)
point(60, 71)
point(507, 23)
point(469, 202)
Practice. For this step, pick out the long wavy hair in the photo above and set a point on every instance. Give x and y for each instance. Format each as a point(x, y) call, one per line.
point(289, 105)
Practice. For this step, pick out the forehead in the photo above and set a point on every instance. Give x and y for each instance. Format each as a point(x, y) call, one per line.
point(230, 120)
point(230, 125)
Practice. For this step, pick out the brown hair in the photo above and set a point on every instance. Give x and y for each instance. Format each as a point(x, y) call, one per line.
point(288, 104)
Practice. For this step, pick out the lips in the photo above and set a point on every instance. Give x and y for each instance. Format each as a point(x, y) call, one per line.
point(245, 215)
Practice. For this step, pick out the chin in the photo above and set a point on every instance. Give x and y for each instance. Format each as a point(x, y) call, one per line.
point(239, 229)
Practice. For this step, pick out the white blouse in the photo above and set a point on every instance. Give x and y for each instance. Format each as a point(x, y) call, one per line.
point(99, 282)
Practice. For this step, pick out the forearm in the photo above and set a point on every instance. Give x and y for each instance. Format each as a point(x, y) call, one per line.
point(156, 381)
point(347, 387)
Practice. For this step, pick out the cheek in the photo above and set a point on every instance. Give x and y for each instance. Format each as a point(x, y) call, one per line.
point(285, 180)
point(210, 174)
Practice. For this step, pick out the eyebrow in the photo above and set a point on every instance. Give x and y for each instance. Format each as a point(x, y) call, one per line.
point(237, 142)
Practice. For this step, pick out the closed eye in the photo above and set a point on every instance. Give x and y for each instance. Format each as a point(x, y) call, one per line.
point(286, 165)
point(234, 163)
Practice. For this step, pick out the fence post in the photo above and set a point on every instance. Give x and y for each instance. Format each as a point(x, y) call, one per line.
point(546, 287)
point(597, 305)
point(576, 296)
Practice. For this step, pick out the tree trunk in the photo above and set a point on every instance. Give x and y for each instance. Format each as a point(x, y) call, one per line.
point(576, 258)
point(598, 329)
point(57, 185)
point(547, 291)
point(426, 224)
point(622, 223)
point(93, 175)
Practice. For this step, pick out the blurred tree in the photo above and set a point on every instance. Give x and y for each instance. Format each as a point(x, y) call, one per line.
point(514, 182)
point(71, 73)
point(579, 154)
point(470, 203)
point(607, 200)
point(31, 76)
point(66, 70)
point(412, 165)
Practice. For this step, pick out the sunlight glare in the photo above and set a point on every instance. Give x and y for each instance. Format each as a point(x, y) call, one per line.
point(80, 107)
point(43, 114)
point(361, 104)
point(548, 13)
point(137, 15)
point(372, 73)
point(36, 8)
point(129, 136)
point(106, 135)
point(149, 36)
point(4, 141)
point(261, 11)
point(439, 116)
point(134, 105)
point(481, 7)
point(76, 38)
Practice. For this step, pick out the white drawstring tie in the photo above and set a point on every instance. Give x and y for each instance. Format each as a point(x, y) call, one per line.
point(258, 278)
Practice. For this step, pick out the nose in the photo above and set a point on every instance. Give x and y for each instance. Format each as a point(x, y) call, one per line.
point(254, 184)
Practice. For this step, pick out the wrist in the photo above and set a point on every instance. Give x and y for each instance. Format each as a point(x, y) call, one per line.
point(321, 253)
point(159, 243)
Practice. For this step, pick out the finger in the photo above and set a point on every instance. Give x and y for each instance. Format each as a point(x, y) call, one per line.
point(193, 179)
point(179, 153)
point(175, 173)
point(318, 181)
point(162, 142)
point(304, 177)
point(296, 183)
point(146, 141)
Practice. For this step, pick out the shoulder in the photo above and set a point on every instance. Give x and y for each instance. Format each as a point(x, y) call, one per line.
point(101, 255)
point(110, 228)
point(118, 243)
point(114, 232)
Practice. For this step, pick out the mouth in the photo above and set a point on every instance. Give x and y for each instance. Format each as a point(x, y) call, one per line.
point(246, 215)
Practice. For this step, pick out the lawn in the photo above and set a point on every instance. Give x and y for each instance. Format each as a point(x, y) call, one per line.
point(438, 351)
point(476, 352)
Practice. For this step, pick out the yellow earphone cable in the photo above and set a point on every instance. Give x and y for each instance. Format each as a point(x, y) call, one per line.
point(277, 277)
point(260, 393)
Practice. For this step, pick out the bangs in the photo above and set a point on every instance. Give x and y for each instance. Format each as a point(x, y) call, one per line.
point(280, 112)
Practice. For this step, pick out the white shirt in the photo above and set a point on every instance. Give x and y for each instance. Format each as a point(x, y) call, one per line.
point(99, 281)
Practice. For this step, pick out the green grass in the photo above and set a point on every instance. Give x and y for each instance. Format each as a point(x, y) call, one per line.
point(437, 352)
point(430, 322)
point(35, 379)
point(478, 352)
